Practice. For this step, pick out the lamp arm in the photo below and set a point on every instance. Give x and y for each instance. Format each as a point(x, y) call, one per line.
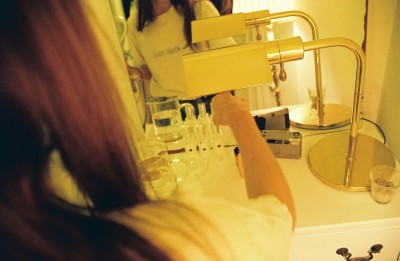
point(358, 89)
point(293, 49)
point(360, 73)
point(300, 14)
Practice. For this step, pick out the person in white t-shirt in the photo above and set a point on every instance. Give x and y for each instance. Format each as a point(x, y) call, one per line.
point(159, 33)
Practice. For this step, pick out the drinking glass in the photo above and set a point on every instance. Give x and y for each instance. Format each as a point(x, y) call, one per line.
point(167, 119)
point(159, 179)
point(384, 182)
point(312, 94)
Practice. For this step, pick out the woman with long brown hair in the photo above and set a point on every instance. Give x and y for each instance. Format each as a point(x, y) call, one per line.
point(56, 96)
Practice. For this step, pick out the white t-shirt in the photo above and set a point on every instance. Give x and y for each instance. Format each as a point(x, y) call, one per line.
point(161, 45)
point(189, 227)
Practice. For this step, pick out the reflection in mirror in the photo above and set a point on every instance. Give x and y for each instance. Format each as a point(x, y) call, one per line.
point(159, 33)
point(137, 82)
point(102, 22)
point(119, 18)
point(338, 18)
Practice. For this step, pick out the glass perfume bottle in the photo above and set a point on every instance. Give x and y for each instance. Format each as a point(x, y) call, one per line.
point(204, 133)
point(190, 133)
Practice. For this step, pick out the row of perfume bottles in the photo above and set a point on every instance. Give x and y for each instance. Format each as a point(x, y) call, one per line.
point(203, 139)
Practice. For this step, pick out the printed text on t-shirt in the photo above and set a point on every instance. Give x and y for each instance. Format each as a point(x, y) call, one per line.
point(167, 51)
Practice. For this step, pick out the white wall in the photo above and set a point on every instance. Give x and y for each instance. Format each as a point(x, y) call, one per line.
point(339, 18)
point(383, 62)
point(381, 16)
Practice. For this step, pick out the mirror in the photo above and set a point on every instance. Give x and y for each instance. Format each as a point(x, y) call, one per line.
point(334, 18)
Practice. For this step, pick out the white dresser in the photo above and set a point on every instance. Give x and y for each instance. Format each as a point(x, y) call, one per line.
point(327, 218)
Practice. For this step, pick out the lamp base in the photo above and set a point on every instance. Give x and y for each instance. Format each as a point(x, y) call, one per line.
point(335, 115)
point(327, 160)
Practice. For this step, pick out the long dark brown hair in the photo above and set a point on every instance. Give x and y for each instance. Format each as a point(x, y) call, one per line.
point(56, 95)
point(145, 13)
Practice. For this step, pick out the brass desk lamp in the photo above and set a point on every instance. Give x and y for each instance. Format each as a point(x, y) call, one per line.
point(326, 116)
point(341, 160)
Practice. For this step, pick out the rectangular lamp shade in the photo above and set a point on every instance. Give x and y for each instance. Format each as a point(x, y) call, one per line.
point(218, 27)
point(226, 69)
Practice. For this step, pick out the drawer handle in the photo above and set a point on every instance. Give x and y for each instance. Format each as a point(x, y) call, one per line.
point(344, 252)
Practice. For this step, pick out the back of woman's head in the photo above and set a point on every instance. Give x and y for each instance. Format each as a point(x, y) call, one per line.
point(55, 78)
point(56, 94)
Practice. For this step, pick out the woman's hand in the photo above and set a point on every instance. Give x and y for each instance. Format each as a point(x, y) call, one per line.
point(227, 108)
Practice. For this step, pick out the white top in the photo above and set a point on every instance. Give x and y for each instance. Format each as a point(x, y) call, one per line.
point(161, 45)
point(189, 227)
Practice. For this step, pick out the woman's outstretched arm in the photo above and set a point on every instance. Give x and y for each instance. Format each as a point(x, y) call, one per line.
point(262, 172)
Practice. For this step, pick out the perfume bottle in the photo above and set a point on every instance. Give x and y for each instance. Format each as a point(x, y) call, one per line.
point(204, 133)
point(190, 132)
point(204, 120)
